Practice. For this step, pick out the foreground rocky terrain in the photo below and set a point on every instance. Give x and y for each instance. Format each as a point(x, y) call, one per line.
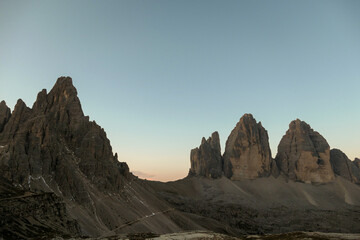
point(27, 214)
point(204, 235)
point(60, 178)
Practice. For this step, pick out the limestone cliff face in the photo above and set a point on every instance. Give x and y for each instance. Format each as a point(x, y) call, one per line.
point(54, 147)
point(304, 155)
point(343, 167)
point(247, 153)
point(206, 160)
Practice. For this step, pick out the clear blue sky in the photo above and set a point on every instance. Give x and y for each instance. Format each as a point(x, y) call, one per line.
point(159, 75)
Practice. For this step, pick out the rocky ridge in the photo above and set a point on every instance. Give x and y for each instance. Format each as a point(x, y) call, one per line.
point(303, 155)
point(48, 144)
point(66, 163)
point(357, 162)
point(4, 114)
point(247, 153)
point(54, 148)
point(206, 160)
point(344, 167)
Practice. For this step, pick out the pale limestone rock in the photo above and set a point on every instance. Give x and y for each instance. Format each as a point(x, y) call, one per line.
point(304, 155)
point(247, 153)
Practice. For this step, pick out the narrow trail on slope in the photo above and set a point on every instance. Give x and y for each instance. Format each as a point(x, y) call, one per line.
point(137, 220)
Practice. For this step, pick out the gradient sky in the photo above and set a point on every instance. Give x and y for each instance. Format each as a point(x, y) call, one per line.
point(160, 75)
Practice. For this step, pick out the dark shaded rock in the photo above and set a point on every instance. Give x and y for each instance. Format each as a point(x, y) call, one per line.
point(340, 164)
point(343, 167)
point(19, 116)
point(206, 160)
point(357, 162)
point(26, 215)
point(304, 155)
point(247, 153)
point(54, 147)
point(54, 152)
point(4, 115)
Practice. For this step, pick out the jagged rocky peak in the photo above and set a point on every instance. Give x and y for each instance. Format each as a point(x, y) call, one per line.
point(344, 167)
point(54, 147)
point(247, 152)
point(41, 101)
point(304, 155)
point(5, 115)
point(206, 160)
point(19, 115)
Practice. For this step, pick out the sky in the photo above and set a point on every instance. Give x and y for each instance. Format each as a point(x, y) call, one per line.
point(160, 75)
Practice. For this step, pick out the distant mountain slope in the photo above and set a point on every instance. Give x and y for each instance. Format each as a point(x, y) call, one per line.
point(265, 205)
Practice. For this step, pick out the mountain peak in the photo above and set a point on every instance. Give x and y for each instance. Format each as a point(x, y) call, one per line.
point(247, 151)
point(206, 160)
point(64, 81)
point(2, 104)
point(62, 98)
point(304, 155)
point(64, 87)
point(19, 106)
point(57, 120)
point(5, 114)
point(247, 117)
point(297, 124)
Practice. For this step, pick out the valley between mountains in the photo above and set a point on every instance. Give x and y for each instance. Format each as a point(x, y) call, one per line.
point(60, 178)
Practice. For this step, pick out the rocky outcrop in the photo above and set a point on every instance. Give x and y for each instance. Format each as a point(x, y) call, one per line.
point(206, 160)
point(54, 152)
point(343, 167)
point(304, 155)
point(4, 115)
point(27, 215)
point(357, 162)
point(54, 147)
point(247, 153)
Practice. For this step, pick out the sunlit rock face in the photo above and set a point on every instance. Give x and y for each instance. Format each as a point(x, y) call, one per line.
point(343, 167)
point(206, 160)
point(247, 153)
point(304, 155)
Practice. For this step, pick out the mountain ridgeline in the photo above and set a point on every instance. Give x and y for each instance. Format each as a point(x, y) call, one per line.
point(60, 178)
point(39, 146)
point(53, 148)
point(303, 155)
